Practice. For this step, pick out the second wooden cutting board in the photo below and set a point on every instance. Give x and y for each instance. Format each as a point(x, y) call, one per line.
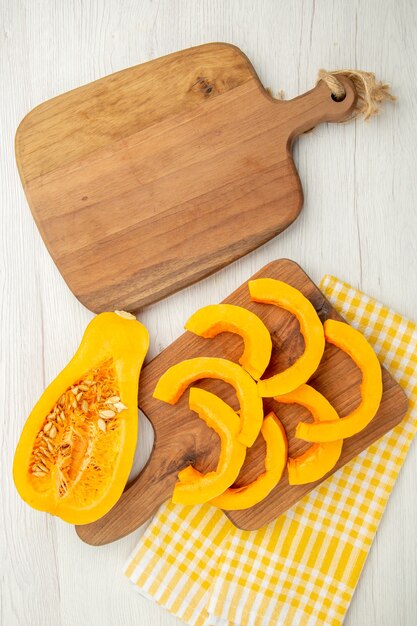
point(137, 180)
point(182, 438)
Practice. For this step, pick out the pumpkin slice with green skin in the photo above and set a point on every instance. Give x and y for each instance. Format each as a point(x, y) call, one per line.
point(223, 419)
point(211, 320)
point(77, 447)
point(320, 458)
point(178, 377)
point(278, 293)
point(238, 498)
point(351, 341)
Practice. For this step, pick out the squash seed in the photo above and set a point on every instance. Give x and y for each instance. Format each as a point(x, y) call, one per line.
point(53, 432)
point(46, 453)
point(101, 424)
point(112, 400)
point(47, 427)
point(106, 414)
point(119, 406)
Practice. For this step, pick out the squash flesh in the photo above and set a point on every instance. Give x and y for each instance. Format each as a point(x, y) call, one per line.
point(196, 488)
point(320, 458)
point(283, 295)
point(238, 498)
point(74, 442)
point(213, 319)
point(355, 344)
point(180, 376)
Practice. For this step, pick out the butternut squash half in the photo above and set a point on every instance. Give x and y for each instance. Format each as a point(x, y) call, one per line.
point(76, 449)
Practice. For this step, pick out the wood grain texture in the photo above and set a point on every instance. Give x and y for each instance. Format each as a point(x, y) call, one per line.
point(181, 438)
point(358, 223)
point(137, 181)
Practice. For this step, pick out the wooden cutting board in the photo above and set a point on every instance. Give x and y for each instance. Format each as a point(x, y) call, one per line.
point(149, 179)
point(182, 438)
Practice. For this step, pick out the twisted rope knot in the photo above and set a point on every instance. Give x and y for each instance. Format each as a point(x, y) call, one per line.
point(371, 93)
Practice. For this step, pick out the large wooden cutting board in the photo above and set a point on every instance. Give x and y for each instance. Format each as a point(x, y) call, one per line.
point(149, 179)
point(182, 438)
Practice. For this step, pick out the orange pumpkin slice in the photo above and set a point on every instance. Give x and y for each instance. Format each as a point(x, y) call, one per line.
point(360, 351)
point(320, 458)
point(177, 378)
point(76, 449)
point(223, 419)
point(278, 293)
point(211, 320)
point(234, 499)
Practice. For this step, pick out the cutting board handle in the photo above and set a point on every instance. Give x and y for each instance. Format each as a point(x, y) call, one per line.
point(317, 106)
point(137, 504)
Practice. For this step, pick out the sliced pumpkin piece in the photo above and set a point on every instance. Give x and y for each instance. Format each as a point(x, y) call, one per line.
point(177, 378)
point(211, 320)
point(223, 419)
point(237, 498)
point(352, 342)
point(320, 458)
point(278, 293)
point(76, 449)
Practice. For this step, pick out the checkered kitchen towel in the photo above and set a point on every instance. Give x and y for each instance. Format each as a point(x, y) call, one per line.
point(301, 569)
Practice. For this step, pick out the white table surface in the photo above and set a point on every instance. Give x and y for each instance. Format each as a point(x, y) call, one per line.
point(359, 222)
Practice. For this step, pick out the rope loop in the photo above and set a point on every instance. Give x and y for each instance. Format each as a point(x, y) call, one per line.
point(371, 93)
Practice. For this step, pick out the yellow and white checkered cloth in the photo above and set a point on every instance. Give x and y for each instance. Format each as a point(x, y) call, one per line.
point(301, 569)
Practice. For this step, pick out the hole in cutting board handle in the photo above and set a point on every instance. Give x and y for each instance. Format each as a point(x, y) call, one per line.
point(338, 98)
point(144, 447)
